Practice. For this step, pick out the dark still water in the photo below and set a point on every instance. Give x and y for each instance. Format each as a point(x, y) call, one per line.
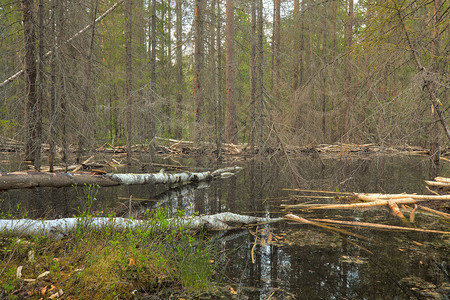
point(287, 260)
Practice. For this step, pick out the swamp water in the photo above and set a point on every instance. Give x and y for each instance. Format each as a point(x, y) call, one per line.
point(286, 260)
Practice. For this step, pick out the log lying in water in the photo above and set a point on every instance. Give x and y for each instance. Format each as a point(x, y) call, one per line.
point(441, 182)
point(372, 197)
point(19, 180)
point(222, 221)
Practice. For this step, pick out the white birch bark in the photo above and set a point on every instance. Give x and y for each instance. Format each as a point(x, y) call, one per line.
point(60, 227)
point(18, 180)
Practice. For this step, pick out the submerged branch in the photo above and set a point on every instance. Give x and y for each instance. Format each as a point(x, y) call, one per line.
point(379, 226)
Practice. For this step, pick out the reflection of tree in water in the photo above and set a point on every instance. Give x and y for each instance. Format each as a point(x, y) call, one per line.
point(312, 266)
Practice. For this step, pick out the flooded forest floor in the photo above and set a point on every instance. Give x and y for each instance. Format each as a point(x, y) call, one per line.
point(283, 260)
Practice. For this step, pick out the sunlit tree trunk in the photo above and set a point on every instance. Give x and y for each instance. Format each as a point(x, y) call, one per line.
point(260, 72)
point(168, 105)
point(86, 105)
point(348, 78)
point(62, 83)
point(31, 98)
point(152, 125)
point(230, 74)
point(295, 52)
point(198, 69)
point(40, 86)
point(219, 83)
point(179, 69)
point(129, 73)
point(324, 72)
point(302, 44)
point(276, 46)
point(434, 127)
point(252, 67)
point(52, 115)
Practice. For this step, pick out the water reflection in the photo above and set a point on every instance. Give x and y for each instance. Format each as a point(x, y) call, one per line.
point(287, 260)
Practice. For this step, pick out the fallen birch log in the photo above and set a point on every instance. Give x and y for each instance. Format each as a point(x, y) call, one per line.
point(20, 180)
point(60, 227)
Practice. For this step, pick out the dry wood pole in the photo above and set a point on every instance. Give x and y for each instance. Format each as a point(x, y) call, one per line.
point(19, 180)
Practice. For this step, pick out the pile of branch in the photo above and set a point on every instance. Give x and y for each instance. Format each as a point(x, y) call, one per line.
point(363, 149)
point(181, 147)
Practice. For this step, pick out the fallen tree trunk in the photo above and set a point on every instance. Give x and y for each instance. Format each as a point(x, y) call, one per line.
point(222, 221)
point(373, 197)
point(379, 202)
point(20, 180)
point(441, 184)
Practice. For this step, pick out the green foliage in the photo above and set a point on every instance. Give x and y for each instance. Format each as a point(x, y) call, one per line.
point(87, 197)
point(107, 262)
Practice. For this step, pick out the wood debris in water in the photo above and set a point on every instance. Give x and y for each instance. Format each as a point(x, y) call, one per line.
point(396, 203)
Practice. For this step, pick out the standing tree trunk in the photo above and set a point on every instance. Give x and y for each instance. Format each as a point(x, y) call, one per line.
point(252, 67)
point(434, 65)
point(179, 64)
point(40, 86)
point(52, 131)
point(85, 117)
point(296, 45)
point(128, 59)
point(62, 82)
point(324, 72)
point(348, 78)
point(198, 70)
point(169, 66)
point(276, 46)
point(429, 84)
point(218, 85)
point(31, 101)
point(260, 68)
point(152, 124)
point(230, 74)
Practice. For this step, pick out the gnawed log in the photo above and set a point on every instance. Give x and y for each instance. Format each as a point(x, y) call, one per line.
point(19, 180)
point(438, 184)
point(442, 179)
point(221, 221)
point(373, 197)
point(379, 202)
